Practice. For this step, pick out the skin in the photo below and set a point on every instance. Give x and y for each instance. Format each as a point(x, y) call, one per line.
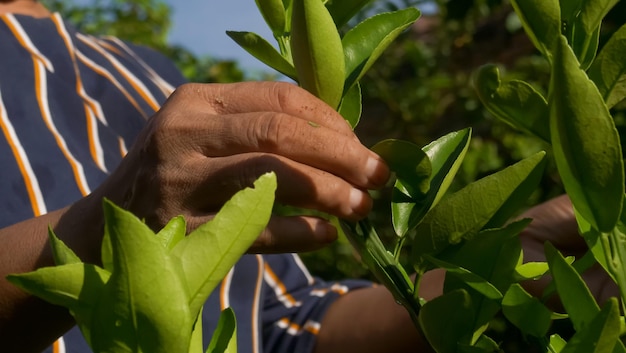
point(202, 146)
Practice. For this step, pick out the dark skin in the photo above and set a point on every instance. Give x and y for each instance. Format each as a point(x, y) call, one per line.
point(207, 142)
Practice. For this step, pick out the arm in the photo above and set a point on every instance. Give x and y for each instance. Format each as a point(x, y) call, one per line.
point(205, 144)
point(370, 320)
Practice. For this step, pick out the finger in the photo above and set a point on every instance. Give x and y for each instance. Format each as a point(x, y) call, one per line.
point(296, 139)
point(294, 234)
point(279, 97)
point(298, 185)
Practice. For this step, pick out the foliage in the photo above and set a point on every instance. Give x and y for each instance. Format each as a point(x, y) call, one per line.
point(449, 232)
point(149, 294)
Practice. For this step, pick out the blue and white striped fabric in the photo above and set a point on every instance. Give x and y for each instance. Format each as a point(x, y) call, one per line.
point(70, 106)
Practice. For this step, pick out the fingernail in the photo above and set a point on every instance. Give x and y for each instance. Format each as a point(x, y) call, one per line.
point(376, 171)
point(359, 202)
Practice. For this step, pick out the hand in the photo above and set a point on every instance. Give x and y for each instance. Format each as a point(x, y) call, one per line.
point(554, 221)
point(210, 141)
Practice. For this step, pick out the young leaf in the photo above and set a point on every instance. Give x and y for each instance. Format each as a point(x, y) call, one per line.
point(273, 12)
point(574, 294)
point(542, 22)
point(317, 51)
point(557, 343)
point(447, 321)
point(410, 164)
point(608, 71)
point(485, 203)
point(342, 11)
point(478, 283)
point(446, 155)
point(126, 316)
point(515, 102)
point(586, 31)
point(76, 286)
point(173, 232)
point(61, 253)
point(263, 51)
point(224, 338)
point(351, 106)
point(601, 335)
point(585, 141)
point(531, 270)
point(364, 43)
point(526, 312)
point(208, 253)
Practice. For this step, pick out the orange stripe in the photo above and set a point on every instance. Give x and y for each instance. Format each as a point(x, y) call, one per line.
point(56, 347)
point(129, 78)
point(111, 79)
point(70, 159)
point(280, 285)
point(27, 180)
point(255, 305)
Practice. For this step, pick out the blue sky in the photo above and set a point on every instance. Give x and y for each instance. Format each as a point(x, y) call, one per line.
point(200, 26)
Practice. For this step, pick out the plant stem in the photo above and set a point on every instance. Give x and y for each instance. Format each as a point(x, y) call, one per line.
point(614, 246)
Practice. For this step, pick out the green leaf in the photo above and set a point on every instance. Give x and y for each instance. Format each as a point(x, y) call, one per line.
point(173, 232)
point(585, 142)
point(446, 155)
point(575, 296)
point(224, 338)
point(382, 263)
point(127, 316)
point(351, 106)
point(264, 52)
point(488, 202)
point(76, 286)
point(499, 250)
point(410, 164)
point(512, 101)
point(364, 43)
point(542, 22)
point(208, 253)
point(526, 312)
point(473, 280)
point(273, 12)
point(601, 335)
point(62, 254)
point(317, 51)
point(586, 31)
point(557, 343)
point(447, 321)
point(531, 270)
point(608, 71)
point(342, 11)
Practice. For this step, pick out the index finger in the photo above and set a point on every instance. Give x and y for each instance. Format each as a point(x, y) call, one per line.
point(278, 97)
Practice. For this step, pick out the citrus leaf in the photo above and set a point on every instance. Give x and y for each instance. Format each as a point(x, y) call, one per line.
point(541, 20)
point(447, 321)
point(342, 11)
point(585, 142)
point(364, 43)
point(608, 71)
point(526, 312)
point(224, 338)
point(515, 102)
point(351, 107)
point(264, 52)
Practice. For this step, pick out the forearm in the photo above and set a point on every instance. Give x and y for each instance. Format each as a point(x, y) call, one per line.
point(370, 320)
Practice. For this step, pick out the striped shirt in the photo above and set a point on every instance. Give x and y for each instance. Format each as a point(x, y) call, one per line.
point(70, 106)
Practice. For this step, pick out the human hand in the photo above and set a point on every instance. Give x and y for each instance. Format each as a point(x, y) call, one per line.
point(554, 221)
point(209, 141)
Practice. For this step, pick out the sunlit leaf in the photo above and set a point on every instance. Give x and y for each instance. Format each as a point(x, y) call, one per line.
point(364, 43)
point(488, 202)
point(473, 280)
point(62, 254)
point(224, 338)
point(173, 232)
point(209, 252)
point(351, 106)
point(263, 51)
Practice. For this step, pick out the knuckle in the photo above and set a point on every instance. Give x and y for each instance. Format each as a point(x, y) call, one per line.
point(270, 131)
